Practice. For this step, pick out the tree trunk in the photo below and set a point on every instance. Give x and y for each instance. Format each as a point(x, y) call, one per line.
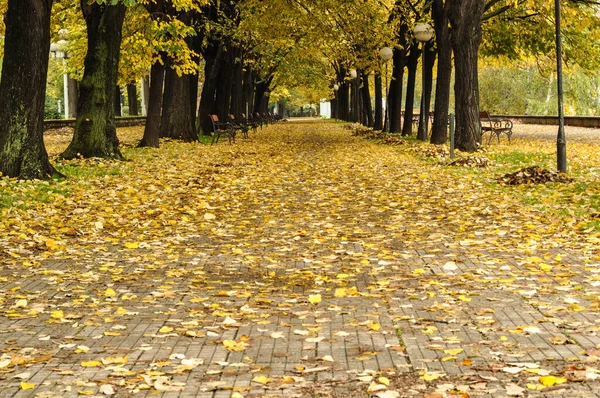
point(212, 56)
point(427, 65)
point(152, 128)
point(395, 90)
point(95, 130)
point(224, 84)
point(413, 60)
point(237, 85)
point(248, 92)
point(117, 103)
point(177, 120)
point(378, 122)
point(465, 21)
point(439, 130)
point(22, 90)
point(343, 100)
point(132, 99)
point(145, 91)
point(366, 100)
point(73, 91)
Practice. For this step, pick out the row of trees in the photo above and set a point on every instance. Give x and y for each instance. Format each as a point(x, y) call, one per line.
point(243, 52)
point(519, 30)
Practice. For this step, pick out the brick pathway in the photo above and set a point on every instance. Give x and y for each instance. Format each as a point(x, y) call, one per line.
point(417, 281)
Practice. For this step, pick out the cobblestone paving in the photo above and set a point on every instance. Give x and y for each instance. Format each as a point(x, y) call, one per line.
point(431, 289)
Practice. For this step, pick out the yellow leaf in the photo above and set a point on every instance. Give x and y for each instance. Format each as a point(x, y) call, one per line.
point(342, 276)
point(430, 376)
point(340, 292)
point(545, 267)
point(464, 298)
point(112, 333)
point(109, 293)
point(373, 326)
point(85, 392)
point(418, 271)
point(26, 386)
point(451, 358)
point(165, 329)
point(262, 379)
point(430, 330)
point(57, 314)
point(121, 311)
point(314, 298)
point(233, 345)
point(549, 381)
point(537, 387)
point(132, 245)
point(114, 360)
point(384, 380)
point(91, 364)
point(453, 351)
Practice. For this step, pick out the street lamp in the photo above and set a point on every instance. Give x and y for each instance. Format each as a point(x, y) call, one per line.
point(423, 32)
point(58, 50)
point(336, 87)
point(561, 140)
point(353, 73)
point(386, 54)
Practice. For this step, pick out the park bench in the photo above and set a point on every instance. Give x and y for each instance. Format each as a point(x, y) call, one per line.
point(220, 128)
point(239, 126)
point(495, 126)
point(251, 123)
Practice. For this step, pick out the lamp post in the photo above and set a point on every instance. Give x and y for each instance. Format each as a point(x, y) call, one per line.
point(561, 141)
point(386, 54)
point(336, 87)
point(354, 99)
point(58, 50)
point(423, 32)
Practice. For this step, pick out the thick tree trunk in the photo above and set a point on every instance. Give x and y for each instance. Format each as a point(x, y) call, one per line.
point(212, 56)
point(95, 130)
point(224, 84)
point(73, 91)
point(177, 120)
point(413, 59)
point(145, 94)
point(427, 65)
point(22, 90)
point(395, 91)
point(132, 99)
point(343, 102)
point(237, 86)
point(152, 128)
point(117, 103)
point(248, 92)
point(439, 130)
point(334, 107)
point(366, 100)
point(465, 20)
point(378, 122)
point(261, 95)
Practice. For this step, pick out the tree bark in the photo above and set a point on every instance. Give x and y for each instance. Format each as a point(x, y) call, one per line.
point(95, 130)
point(378, 122)
point(395, 90)
point(212, 56)
point(439, 129)
point(465, 21)
point(224, 84)
point(117, 103)
point(132, 99)
point(413, 59)
point(177, 120)
point(73, 91)
point(152, 128)
point(343, 100)
point(22, 90)
point(145, 91)
point(366, 100)
point(427, 65)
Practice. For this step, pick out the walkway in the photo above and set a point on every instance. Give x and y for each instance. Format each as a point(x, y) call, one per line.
point(304, 263)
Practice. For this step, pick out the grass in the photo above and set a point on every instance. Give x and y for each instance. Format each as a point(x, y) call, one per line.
point(23, 193)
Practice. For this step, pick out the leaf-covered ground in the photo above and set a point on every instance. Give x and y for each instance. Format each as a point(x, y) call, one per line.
point(304, 262)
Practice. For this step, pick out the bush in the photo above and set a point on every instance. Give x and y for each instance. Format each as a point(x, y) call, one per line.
point(51, 109)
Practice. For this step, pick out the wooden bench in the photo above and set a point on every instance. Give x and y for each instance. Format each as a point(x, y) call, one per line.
point(220, 128)
point(495, 126)
point(239, 126)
